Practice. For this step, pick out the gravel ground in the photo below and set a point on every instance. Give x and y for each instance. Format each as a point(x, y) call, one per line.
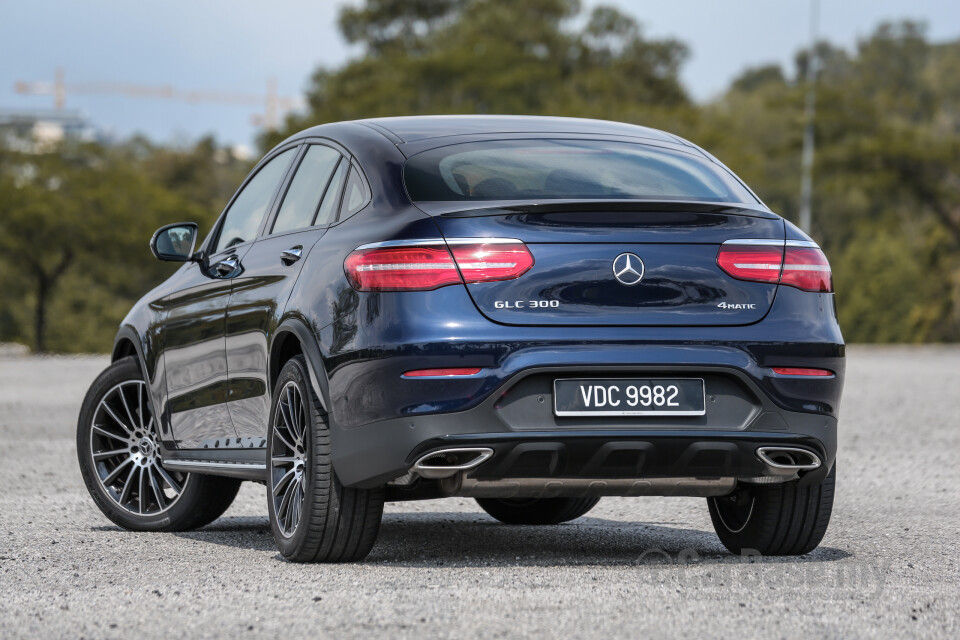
point(888, 565)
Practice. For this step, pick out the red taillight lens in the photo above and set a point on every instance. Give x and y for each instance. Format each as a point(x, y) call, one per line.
point(807, 268)
point(801, 267)
point(746, 262)
point(799, 371)
point(421, 268)
point(442, 373)
point(401, 269)
point(486, 262)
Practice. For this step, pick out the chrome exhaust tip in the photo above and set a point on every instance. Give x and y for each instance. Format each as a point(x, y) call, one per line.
point(447, 462)
point(788, 459)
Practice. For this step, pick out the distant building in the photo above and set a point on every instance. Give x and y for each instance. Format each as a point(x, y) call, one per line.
point(36, 129)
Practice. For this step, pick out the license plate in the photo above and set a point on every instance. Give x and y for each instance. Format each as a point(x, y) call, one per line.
point(629, 397)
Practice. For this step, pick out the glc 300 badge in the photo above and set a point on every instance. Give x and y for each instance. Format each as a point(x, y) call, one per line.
point(628, 269)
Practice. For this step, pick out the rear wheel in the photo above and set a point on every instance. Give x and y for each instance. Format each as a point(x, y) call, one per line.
point(776, 520)
point(313, 517)
point(537, 510)
point(118, 447)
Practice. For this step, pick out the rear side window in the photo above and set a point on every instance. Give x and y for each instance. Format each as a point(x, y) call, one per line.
point(566, 169)
point(307, 189)
point(355, 196)
point(331, 199)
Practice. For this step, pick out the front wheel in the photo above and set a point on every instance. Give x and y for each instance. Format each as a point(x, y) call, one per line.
point(118, 447)
point(537, 510)
point(313, 517)
point(776, 520)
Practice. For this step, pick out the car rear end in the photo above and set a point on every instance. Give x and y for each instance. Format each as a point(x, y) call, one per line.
point(560, 335)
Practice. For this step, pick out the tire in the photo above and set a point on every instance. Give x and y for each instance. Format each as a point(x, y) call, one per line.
point(313, 517)
point(775, 520)
point(122, 467)
point(537, 510)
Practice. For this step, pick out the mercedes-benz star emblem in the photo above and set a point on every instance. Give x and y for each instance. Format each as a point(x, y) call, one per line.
point(628, 269)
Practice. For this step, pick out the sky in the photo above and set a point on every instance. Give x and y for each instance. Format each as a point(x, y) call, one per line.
point(238, 45)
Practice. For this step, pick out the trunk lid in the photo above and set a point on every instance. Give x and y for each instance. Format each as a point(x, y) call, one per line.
point(577, 247)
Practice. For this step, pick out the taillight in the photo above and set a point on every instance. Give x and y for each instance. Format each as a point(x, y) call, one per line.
point(758, 263)
point(400, 268)
point(431, 265)
point(806, 268)
point(487, 262)
point(795, 265)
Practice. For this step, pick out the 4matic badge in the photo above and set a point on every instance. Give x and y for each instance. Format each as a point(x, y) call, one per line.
point(725, 305)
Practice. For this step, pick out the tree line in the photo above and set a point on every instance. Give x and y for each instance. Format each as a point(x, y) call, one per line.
point(75, 220)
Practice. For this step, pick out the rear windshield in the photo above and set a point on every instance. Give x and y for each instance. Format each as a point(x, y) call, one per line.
point(566, 169)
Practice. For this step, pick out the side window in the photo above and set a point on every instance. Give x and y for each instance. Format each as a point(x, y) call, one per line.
point(355, 196)
point(306, 189)
point(245, 214)
point(331, 199)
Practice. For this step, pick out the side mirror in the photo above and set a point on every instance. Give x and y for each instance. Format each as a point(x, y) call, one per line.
point(175, 242)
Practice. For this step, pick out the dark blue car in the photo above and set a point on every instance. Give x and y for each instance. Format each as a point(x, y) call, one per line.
point(534, 312)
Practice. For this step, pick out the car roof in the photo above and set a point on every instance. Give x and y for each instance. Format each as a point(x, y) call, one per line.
point(415, 128)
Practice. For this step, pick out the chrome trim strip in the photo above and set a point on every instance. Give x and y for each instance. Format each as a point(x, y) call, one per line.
point(401, 243)
point(483, 241)
point(419, 242)
point(763, 242)
point(189, 465)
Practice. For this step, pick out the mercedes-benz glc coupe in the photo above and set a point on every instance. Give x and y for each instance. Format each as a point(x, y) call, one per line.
point(533, 312)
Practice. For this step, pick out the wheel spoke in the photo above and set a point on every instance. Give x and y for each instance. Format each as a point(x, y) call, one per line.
point(157, 492)
point(284, 509)
point(287, 416)
point(283, 481)
point(278, 460)
point(142, 489)
point(103, 455)
point(99, 429)
point(169, 480)
point(296, 410)
point(142, 404)
point(297, 503)
point(127, 485)
point(116, 472)
point(126, 407)
point(116, 418)
point(286, 443)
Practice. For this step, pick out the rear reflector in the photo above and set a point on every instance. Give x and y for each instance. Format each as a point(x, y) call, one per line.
point(421, 268)
point(799, 371)
point(442, 373)
point(801, 267)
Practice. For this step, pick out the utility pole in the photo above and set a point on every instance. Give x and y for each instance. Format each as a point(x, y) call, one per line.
point(809, 112)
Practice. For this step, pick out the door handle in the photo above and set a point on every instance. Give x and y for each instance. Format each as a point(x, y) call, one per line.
point(291, 255)
point(227, 266)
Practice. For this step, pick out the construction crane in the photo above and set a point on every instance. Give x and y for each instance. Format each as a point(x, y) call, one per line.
point(274, 106)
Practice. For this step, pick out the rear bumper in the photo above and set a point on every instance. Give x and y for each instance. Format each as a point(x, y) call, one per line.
point(381, 422)
point(517, 422)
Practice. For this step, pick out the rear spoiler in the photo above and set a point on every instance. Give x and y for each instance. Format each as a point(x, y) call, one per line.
point(473, 209)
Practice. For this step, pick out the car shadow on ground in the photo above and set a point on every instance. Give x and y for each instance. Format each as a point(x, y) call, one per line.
point(468, 539)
